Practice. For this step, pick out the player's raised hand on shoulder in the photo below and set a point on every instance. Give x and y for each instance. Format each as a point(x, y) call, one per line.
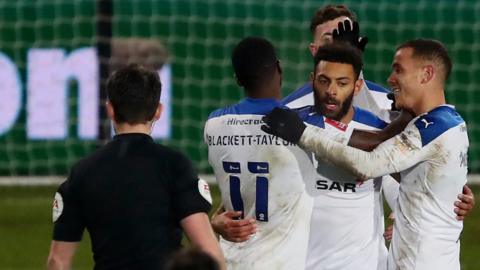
point(348, 32)
point(284, 123)
point(233, 229)
point(465, 203)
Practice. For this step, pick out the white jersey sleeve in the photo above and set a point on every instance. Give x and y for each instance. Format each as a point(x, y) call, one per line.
point(394, 155)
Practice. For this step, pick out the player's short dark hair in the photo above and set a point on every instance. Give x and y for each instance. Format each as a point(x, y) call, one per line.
point(254, 59)
point(134, 93)
point(430, 50)
point(340, 52)
point(328, 13)
point(191, 259)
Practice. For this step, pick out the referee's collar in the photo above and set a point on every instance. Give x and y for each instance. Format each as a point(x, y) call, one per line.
point(132, 136)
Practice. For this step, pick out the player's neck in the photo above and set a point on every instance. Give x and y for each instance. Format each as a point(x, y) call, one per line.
point(430, 102)
point(124, 128)
point(263, 93)
point(347, 118)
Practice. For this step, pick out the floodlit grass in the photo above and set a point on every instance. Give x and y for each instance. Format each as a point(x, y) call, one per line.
point(26, 229)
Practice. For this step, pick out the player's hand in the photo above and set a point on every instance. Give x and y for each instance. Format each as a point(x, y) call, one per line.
point(284, 123)
point(232, 229)
point(389, 230)
point(347, 32)
point(465, 204)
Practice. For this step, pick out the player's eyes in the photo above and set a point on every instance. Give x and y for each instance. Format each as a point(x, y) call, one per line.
point(322, 82)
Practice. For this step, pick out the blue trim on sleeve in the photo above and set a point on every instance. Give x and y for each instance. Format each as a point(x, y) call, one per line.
point(310, 116)
point(436, 122)
point(376, 87)
point(367, 118)
point(303, 112)
point(316, 120)
point(300, 92)
point(258, 106)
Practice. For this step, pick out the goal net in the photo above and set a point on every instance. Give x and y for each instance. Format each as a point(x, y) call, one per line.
point(49, 69)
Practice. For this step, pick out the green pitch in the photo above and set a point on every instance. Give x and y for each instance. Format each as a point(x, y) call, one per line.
point(25, 230)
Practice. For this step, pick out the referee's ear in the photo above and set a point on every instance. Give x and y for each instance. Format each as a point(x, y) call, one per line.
point(158, 112)
point(110, 111)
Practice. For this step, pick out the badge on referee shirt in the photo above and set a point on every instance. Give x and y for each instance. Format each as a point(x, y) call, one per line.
point(57, 207)
point(204, 190)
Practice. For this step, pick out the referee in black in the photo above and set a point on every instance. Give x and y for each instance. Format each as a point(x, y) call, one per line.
point(135, 197)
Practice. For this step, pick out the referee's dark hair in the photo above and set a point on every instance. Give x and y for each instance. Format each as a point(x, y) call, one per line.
point(430, 50)
point(254, 59)
point(340, 52)
point(134, 93)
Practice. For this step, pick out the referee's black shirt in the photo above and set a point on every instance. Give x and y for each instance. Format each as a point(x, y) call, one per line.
point(130, 195)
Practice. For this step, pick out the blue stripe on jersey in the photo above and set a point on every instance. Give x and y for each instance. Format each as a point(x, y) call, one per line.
point(376, 87)
point(300, 92)
point(367, 118)
point(315, 120)
point(304, 112)
point(248, 106)
point(436, 122)
point(310, 116)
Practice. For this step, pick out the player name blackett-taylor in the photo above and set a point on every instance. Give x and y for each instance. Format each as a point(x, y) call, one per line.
point(240, 140)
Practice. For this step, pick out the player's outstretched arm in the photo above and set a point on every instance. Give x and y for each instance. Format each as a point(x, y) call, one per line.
point(397, 154)
point(199, 232)
point(394, 155)
point(227, 224)
point(61, 255)
point(465, 203)
point(367, 140)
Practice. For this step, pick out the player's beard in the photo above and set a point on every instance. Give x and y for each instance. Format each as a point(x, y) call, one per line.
point(339, 114)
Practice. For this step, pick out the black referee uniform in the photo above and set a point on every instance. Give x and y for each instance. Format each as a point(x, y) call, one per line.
point(130, 195)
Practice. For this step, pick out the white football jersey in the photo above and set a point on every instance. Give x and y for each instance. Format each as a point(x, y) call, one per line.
point(372, 97)
point(426, 232)
point(431, 154)
point(263, 176)
point(347, 221)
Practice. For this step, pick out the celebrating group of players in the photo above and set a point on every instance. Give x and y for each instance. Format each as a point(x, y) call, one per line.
point(301, 178)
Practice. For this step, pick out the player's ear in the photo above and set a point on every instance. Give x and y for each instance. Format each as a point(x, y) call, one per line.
point(427, 74)
point(358, 86)
point(312, 76)
point(313, 48)
point(110, 110)
point(236, 79)
point(158, 112)
point(279, 67)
